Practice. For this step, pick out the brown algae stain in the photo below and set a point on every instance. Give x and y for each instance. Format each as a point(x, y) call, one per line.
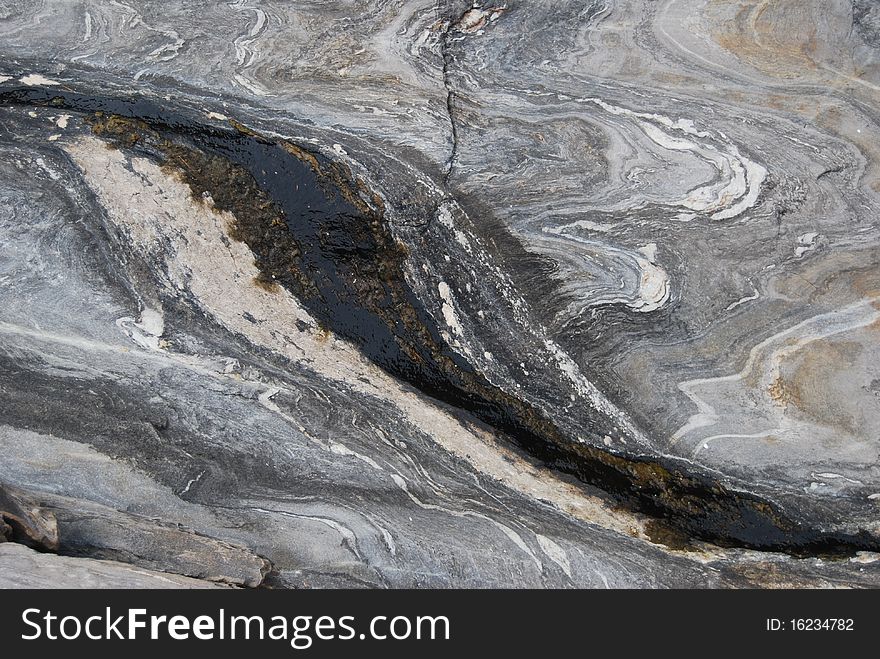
point(815, 380)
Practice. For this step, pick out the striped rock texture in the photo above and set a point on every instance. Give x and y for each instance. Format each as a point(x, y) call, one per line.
point(441, 294)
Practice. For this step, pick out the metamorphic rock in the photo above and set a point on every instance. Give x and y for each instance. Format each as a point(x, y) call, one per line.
point(440, 294)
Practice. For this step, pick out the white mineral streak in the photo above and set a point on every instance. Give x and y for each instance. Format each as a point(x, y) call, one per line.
point(746, 298)
point(717, 399)
point(448, 308)
point(653, 283)
point(35, 79)
point(555, 553)
point(740, 179)
point(806, 243)
point(148, 331)
point(245, 54)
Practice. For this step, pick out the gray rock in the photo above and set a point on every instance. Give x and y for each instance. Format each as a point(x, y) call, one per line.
point(24, 520)
point(651, 226)
point(96, 531)
point(22, 567)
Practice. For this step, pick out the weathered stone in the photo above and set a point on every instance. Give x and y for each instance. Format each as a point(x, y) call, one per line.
point(24, 520)
point(94, 531)
point(22, 567)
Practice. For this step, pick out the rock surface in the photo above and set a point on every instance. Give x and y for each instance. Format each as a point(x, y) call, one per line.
point(22, 567)
point(447, 294)
point(96, 531)
point(24, 520)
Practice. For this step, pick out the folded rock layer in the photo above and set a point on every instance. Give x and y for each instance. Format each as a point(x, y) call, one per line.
point(451, 294)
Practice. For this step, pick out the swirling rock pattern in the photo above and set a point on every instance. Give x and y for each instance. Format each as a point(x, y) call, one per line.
point(446, 294)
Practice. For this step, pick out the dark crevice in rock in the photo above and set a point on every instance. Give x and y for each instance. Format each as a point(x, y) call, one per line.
point(322, 234)
point(450, 100)
point(468, 20)
point(837, 169)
